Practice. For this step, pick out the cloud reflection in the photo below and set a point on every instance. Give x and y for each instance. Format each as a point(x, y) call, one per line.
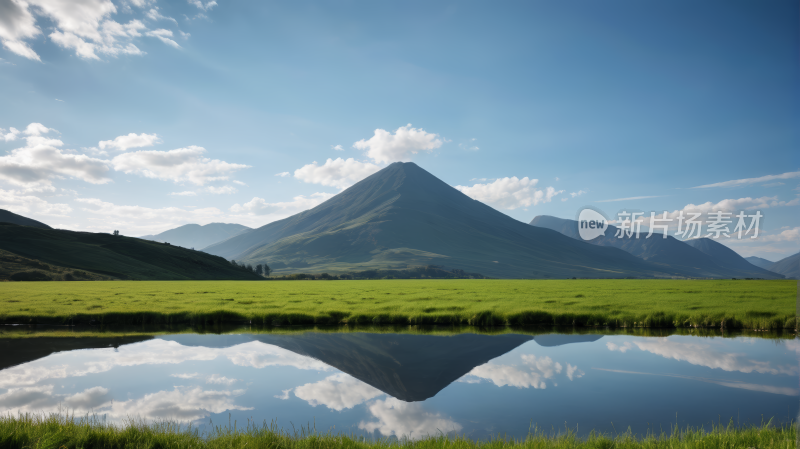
point(405, 419)
point(531, 374)
point(337, 392)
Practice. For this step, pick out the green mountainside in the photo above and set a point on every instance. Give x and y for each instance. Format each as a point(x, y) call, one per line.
point(109, 256)
point(404, 216)
point(674, 256)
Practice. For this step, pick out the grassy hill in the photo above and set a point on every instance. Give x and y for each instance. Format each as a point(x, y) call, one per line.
point(698, 259)
point(404, 216)
point(11, 217)
point(789, 266)
point(109, 256)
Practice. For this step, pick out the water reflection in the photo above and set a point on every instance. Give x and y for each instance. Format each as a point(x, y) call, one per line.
point(407, 385)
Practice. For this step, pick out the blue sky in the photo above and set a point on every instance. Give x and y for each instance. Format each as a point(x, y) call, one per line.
point(604, 100)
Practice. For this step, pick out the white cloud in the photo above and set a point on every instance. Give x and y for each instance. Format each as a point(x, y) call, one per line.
point(337, 392)
point(409, 420)
point(139, 220)
point(217, 379)
point(510, 193)
point(182, 164)
point(577, 194)
point(337, 147)
point(16, 25)
point(385, 147)
point(260, 206)
point(573, 372)
point(184, 193)
point(154, 15)
point(204, 6)
point(185, 376)
point(338, 172)
point(40, 161)
point(183, 404)
point(747, 181)
point(41, 399)
point(705, 355)
point(627, 346)
point(283, 174)
point(12, 134)
point(284, 395)
point(164, 36)
point(787, 235)
point(86, 26)
point(21, 203)
point(132, 140)
point(223, 190)
point(239, 183)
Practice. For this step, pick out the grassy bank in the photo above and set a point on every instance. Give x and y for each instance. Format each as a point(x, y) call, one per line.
point(32, 432)
point(614, 303)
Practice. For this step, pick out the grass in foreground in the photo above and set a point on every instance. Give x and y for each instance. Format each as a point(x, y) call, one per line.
point(615, 303)
point(36, 432)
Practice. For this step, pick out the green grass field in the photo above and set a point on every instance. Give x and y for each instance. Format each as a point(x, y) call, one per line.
point(615, 303)
point(36, 432)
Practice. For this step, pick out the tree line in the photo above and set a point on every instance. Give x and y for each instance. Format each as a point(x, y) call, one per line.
point(261, 269)
point(426, 272)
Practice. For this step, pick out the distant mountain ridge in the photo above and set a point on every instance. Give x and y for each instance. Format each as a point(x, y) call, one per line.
point(404, 216)
point(789, 266)
point(703, 258)
point(11, 217)
point(197, 236)
point(759, 262)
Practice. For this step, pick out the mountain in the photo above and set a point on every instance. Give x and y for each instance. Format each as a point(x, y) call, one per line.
point(759, 262)
point(730, 259)
point(403, 216)
point(112, 256)
point(672, 255)
point(198, 237)
point(789, 267)
point(11, 217)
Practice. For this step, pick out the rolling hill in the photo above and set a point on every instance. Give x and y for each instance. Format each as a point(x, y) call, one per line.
point(109, 256)
point(674, 256)
point(404, 216)
point(789, 267)
point(196, 236)
point(11, 217)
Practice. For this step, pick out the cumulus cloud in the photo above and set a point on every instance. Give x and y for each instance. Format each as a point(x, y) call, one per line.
point(337, 392)
point(284, 395)
point(217, 379)
point(180, 165)
point(41, 160)
point(222, 190)
point(132, 140)
point(41, 398)
point(185, 376)
point(184, 193)
point(338, 172)
point(787, 235)
point(283, 174)
point(145, 220)
point(510, 193)
point(409, 420)
point(337, 147)
point(385, 147)
point(627, 346)
point(22, 203)
point(86, 27)
point(184, 404)
point(259, 206)
point(531, 374)
point(573, 372)
point(748, 181)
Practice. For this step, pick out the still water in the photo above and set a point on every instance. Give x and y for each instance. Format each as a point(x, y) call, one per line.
point(409, 385)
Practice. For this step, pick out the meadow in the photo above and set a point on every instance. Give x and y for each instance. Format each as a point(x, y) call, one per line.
point(45, 432)
point(477, 302)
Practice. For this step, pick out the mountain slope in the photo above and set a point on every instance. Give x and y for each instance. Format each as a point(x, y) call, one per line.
point(115, 256)
point(196, 236)
point(789, 267)
point(11, 217)
point(730, 259)
point(759, 262)
point(404, 216)
point(675, 257)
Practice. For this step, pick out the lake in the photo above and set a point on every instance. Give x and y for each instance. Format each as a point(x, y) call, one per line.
point(386, 384)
